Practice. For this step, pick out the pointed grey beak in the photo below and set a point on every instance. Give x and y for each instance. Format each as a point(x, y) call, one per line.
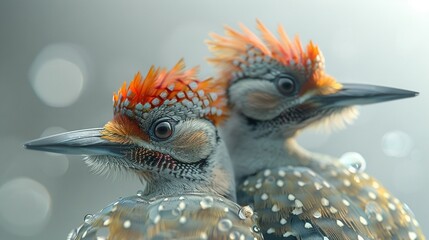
point(362, 94)
point(79, 142)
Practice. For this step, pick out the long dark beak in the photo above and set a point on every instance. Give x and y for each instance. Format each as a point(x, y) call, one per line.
point(362, 94)
point(79, 142)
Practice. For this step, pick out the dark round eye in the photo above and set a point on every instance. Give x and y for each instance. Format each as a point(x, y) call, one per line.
point(163, 130)
point(286, 85)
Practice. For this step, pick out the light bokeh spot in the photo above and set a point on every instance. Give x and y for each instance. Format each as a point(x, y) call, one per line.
point(25, 206)
point(57, 75)
point(58, 82)
point(397, 144)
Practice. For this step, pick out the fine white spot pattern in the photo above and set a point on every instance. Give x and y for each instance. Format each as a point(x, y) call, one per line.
point(127, 224)
point(318, 186)
point(317, 214)
point(391, 206)
point(375, 184)
point(357, 179)
point(346, 182)
point(156, 219)
point(107, 222)
point(363, 220)
point(297, 211)
point(296, 173)
point(203, 235)
point(298, 203)
point(193, 85)
point(407, 218)
point(372, 195)
point(347, 203)
point(180, 94)
point(275, 208)
point(267, 172)
point(182, 205)
point(379, 217)
point(326, 184)
point(324, 202)
point(155, 101)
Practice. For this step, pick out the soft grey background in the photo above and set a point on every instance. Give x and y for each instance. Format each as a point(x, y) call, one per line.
point(60, 62)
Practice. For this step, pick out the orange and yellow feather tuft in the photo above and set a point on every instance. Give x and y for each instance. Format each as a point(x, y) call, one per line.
point(176, 86)
point(236, 49)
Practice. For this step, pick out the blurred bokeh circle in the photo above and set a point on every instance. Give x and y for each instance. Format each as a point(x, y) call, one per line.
point(25, 206)
point(57, 75)
point(397, 144)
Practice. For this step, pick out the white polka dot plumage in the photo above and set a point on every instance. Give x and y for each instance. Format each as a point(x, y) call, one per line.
point(318, 203)
point(135, 217)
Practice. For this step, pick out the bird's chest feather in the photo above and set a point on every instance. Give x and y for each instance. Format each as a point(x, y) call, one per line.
point(295, 201)
point(186, 216)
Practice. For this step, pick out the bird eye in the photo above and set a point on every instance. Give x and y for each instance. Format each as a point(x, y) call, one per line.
point(163, 130)
point(286, 85)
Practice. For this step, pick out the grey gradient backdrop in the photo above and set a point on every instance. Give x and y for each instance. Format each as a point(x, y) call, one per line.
point(44, 196)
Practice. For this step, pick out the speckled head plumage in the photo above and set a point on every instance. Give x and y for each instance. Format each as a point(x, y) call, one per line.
point(177, 87)
point(163, 129)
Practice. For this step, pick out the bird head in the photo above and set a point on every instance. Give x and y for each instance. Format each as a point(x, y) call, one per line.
point(278, 85)
point(163, 129)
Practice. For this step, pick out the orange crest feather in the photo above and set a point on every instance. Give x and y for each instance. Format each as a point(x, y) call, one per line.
point(205, 98)
point(237, 51)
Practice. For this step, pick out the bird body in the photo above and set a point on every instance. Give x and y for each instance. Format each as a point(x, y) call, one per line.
point(333, 200)
point(276, 88)
point(179, 216)
point(164, 131)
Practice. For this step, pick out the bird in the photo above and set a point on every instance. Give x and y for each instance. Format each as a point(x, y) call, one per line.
point(276, 88)
point(163, 131)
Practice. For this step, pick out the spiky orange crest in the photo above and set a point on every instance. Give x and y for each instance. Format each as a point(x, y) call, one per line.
point(161, 87)
point(237, 51)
